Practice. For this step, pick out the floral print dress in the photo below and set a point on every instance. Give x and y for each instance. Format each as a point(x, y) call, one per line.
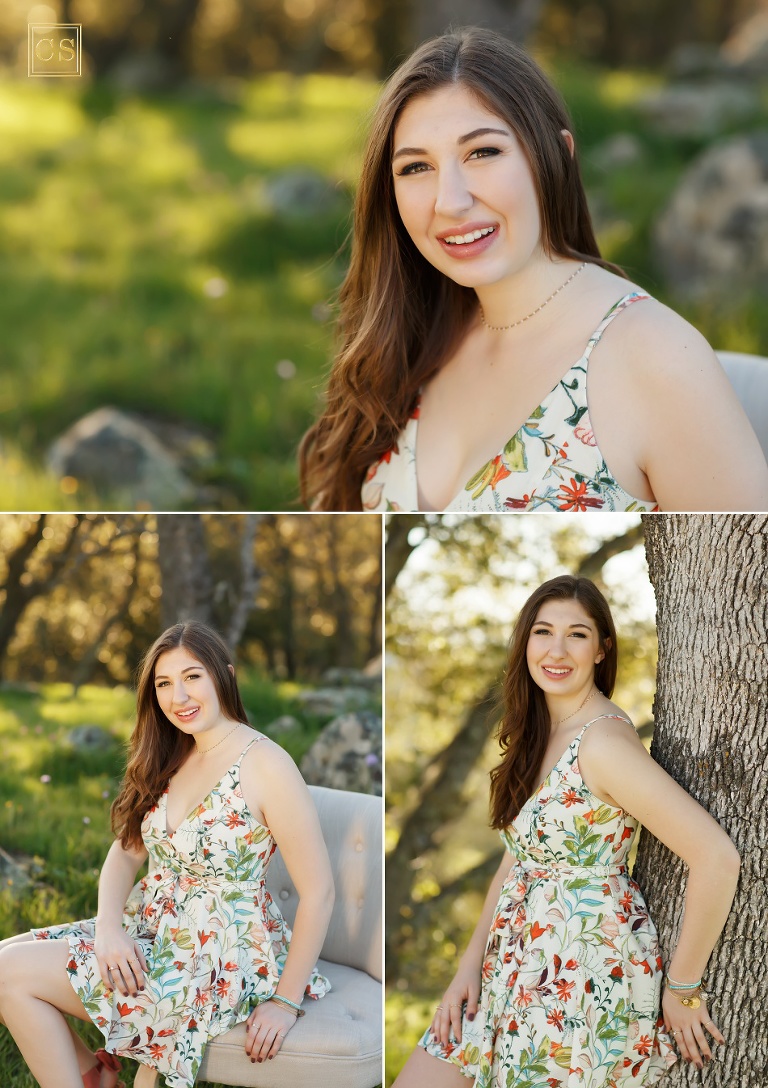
point(552, 463)
point(572, 972)
point(214, 941)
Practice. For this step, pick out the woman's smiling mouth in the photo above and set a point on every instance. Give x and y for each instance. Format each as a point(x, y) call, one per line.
point(187, 715)
point(469, 241)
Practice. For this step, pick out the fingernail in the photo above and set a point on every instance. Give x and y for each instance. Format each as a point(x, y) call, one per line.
point(253, 1061)
point(471, 1016)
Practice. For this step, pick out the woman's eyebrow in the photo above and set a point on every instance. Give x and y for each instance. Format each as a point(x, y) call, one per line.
point(461, 140)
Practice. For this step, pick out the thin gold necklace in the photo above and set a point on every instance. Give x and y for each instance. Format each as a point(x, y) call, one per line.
point(503, 328)
point(584, 702)
point(205, 751)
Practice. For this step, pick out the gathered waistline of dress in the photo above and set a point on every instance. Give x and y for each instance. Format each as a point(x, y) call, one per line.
point(562, 869)
point(169, 874)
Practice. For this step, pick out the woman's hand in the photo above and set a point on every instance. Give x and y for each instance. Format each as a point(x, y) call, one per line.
point(121, 960)
point(268, 1025)
point(687, 1025)
point(464, 989)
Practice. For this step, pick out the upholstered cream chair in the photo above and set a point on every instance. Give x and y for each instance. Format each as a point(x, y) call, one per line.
point(748, 375)
point(338, 1043)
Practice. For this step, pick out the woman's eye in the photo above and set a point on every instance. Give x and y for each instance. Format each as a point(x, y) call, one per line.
point(578, 634)
point(484, 152)
point(161, 683)
point(542, 631)
point(193, 676)
point(413, 168)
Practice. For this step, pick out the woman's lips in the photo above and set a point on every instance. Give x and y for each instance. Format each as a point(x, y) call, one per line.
point(187, 715)
point(555, 672)
point(462, 251)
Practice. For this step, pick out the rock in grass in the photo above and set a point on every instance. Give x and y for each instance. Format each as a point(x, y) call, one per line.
point(712, 238)
point(284, 724)
point(327, 701)
point(697, 110)
point(90, 738)
point(109, 448)
point(347, 755)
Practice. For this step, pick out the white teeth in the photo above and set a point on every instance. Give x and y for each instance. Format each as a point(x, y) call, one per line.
point(465, 239)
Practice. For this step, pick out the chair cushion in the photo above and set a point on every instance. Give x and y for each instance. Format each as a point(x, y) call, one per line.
point(748, 375)
point(337, 1044)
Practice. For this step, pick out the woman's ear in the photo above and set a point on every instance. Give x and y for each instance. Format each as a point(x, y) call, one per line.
point(601, 654)
point(568, 137)
point(231, 669)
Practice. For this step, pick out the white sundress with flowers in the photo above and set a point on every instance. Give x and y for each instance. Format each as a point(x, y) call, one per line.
point(551, 464)
point(571, 976)
point(214, 940)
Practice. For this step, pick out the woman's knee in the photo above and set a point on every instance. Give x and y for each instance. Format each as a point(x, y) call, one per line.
point(12, 970)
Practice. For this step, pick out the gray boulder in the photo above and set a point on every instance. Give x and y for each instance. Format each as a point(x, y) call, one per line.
point(362, 678)
point(699, 110)
point(90, 738)
point(302, 194)
point(713, 235)
point(347, 755)
point(111, 449)
point(619, 151)
point(329, 701)
point(14, 875)
point(284, 724)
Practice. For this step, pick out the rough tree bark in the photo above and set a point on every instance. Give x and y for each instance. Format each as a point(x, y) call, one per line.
point(710, 574)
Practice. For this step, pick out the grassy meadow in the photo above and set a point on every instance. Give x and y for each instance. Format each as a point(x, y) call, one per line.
point(142, 263)
point(54, 806)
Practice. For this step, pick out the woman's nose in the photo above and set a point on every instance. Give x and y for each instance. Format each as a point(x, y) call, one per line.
point(453, 198)
point(179, 693)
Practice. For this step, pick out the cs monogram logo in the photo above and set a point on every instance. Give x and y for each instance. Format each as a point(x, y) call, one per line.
point(55, 49)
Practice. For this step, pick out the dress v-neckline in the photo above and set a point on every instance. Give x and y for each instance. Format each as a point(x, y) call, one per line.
point(583, 358)
point(567, 750)
point(170, 834)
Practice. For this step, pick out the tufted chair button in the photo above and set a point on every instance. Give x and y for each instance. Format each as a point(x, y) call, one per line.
point(284, 893)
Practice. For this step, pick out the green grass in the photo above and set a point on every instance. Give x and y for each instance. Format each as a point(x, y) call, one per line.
point(115, 213)
point(64, 823)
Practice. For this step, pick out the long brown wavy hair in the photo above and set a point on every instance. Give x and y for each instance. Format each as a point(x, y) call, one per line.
point(525, 727)
point(157, 748)
point(399, 317)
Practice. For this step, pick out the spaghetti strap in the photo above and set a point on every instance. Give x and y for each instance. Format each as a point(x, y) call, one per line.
point(249, 745)
point(615, 310)
point(619, 717)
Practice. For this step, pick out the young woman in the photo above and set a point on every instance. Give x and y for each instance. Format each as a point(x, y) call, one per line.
point(560, 982)
point(489, 359)
point(198, 945)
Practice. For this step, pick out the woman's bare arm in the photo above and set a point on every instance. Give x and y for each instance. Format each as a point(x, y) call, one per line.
point(613, 762)
point(114, 948)
point(691, 435)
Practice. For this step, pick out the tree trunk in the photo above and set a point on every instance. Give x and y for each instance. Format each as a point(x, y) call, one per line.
point(185, 569)
point(18, 592)
point(515, 20)
point(250, 579)
point(710, 574)
point(438, 800)
point(399, 545)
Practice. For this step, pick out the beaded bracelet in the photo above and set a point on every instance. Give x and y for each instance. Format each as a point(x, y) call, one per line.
point(288, 1004)
point(674, 985)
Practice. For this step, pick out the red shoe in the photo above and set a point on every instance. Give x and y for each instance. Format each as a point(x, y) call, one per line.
point(104, 1060)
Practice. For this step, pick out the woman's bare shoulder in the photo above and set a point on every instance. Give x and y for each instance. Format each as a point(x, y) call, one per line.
point(657, 341)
